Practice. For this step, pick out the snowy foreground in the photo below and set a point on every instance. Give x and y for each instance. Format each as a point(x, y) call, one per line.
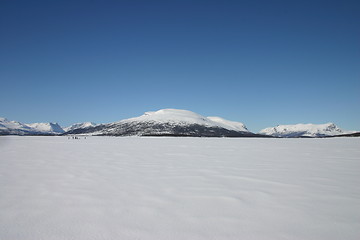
point(179, 188)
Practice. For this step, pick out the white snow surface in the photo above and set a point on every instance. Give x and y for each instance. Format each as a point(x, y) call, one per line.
point(185, 117)
point(179, 188)
point(304, 130)
point(80, 125)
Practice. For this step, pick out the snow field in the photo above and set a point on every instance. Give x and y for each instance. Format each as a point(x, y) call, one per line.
point(179, 188)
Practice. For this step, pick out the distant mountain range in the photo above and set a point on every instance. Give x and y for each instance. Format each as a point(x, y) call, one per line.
point(172, 122)
point(16, 128)
point(304, 130)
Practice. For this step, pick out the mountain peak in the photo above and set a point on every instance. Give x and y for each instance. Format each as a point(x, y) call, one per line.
point(3, 119)
point(172, 115)
point(186, 117)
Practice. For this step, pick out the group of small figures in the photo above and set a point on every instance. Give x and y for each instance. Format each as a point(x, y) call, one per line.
point(75, 137)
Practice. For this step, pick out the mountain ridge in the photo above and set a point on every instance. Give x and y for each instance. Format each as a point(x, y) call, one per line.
point(79, 125)
point(17, 128)
point(304, 130)
point(172, 122)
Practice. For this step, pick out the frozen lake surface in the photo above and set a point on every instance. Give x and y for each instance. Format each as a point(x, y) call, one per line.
point(179, 188)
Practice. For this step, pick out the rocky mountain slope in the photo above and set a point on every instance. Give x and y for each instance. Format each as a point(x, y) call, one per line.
point(79, 126)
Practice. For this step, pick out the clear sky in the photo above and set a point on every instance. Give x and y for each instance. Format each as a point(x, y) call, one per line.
point(263, 63)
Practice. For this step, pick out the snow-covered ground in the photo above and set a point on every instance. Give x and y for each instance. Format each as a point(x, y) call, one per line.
point(179, 188)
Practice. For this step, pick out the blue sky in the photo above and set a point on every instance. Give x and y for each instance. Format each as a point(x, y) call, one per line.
point(262, 63)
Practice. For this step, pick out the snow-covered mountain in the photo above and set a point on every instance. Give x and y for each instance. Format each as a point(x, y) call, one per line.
point(304, 130)
point(17, 128)
point(185, 117)
point(47, 128)
point(170, 122)
point(231, 125)
point(79, 125)
point(13, 127)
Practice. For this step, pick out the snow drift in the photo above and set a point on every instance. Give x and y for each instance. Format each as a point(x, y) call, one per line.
point(179, 188)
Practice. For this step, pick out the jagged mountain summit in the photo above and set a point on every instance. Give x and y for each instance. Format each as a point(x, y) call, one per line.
point(79, 125)
point(170, 122)
point(304, 130)
point(16, 128)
